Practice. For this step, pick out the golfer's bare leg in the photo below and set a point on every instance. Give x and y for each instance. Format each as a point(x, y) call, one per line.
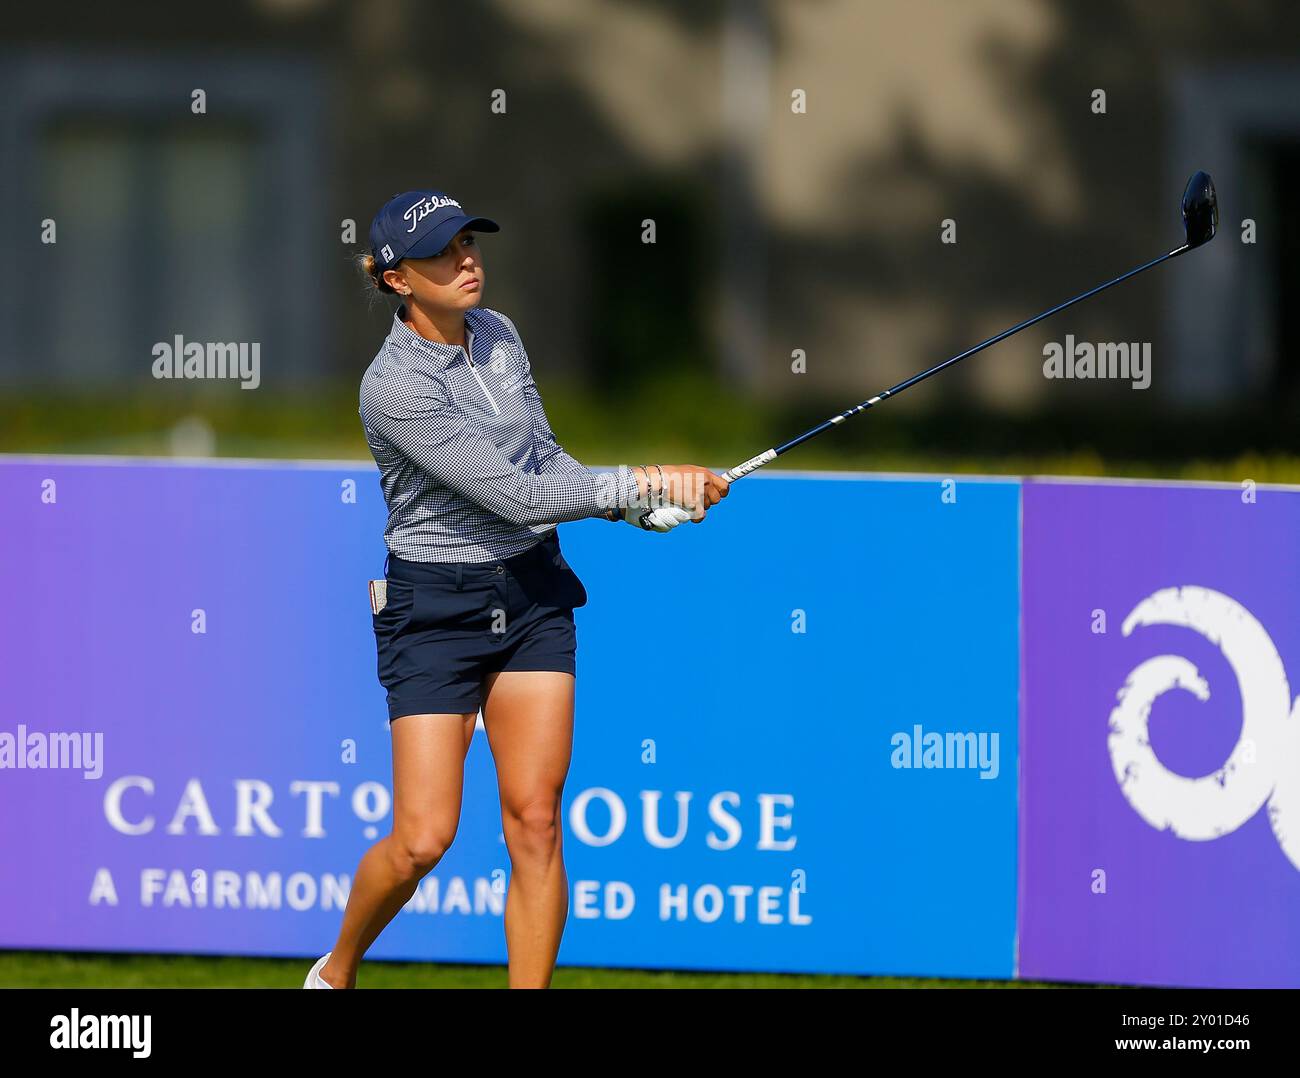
point(529, 719)
point(428, 779)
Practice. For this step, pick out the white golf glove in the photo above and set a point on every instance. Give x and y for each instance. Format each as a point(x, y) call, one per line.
point(659, 518)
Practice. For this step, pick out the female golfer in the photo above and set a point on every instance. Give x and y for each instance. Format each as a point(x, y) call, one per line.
point(476, 610)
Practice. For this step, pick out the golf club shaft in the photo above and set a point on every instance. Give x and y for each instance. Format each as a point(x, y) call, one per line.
point(740, 470)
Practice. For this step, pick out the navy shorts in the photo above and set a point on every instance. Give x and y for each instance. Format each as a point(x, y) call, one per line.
point(447, 624)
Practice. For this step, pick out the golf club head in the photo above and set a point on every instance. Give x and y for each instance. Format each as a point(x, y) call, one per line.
point(1200, 210)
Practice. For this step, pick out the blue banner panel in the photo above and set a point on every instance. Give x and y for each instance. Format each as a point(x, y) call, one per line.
point(795, 747)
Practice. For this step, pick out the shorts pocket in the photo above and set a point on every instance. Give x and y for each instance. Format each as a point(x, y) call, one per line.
point(397, 607)
point(438, 606)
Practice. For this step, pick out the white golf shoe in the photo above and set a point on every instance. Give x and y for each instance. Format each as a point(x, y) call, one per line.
point(314, 978)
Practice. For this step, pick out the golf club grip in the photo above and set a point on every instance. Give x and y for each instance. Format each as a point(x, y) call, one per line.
point(732, 474)
point(754, 463)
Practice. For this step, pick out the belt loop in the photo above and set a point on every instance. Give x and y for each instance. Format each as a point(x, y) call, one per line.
point(460, 570)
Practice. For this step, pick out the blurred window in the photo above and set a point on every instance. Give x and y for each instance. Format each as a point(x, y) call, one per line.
point(211, 225)
point(157, 230)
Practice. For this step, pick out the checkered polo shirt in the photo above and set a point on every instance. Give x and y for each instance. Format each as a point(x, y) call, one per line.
point(469, 467)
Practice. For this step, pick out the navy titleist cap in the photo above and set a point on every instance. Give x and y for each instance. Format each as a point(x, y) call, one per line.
point(419, 224)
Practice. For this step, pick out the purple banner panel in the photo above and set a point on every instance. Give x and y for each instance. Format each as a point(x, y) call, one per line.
point(1160, 735)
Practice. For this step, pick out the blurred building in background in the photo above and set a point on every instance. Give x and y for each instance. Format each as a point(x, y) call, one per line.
point(798, 161)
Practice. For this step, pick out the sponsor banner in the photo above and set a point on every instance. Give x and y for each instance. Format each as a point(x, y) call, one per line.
point(795, 747)
point(1160, 779)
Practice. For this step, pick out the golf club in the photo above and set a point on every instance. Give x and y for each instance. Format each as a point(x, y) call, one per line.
point(1200, 222)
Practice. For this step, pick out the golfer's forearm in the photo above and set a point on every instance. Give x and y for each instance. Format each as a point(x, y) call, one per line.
point(531, 499)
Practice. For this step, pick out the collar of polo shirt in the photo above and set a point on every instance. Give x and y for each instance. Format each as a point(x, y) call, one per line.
point(403, 335)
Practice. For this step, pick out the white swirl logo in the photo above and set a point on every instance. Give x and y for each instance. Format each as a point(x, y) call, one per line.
point(1264, 765)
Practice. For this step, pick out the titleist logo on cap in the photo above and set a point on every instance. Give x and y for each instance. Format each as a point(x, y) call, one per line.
point(420, 210)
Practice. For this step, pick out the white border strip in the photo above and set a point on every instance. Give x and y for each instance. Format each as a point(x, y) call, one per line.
point(1127, 481)
point(963, 477)
point(190, 462)
point(792, 473)
point(291, 463)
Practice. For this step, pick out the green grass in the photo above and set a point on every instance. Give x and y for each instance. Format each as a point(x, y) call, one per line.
point(42, 969)
point(692, 421)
